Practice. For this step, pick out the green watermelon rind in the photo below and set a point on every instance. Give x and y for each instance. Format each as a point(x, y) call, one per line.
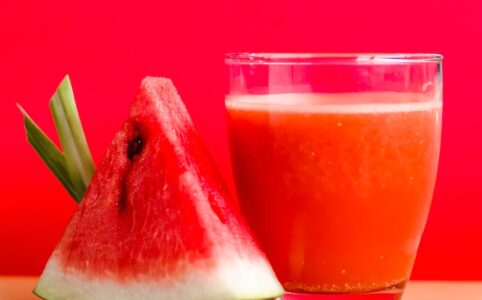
point(38, 295)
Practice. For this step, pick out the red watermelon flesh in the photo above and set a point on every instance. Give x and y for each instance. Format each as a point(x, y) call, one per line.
point(156, 221)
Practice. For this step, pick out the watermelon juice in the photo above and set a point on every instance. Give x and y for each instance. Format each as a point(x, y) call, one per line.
point(337, 194)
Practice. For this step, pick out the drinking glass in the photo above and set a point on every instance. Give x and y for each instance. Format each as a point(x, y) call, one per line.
point(335, 160)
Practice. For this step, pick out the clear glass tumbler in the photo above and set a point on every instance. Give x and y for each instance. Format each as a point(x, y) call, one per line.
point(335, 160)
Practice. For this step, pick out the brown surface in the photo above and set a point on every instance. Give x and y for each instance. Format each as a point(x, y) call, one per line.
point(17, 288)
point(443, 290)
point(20, 288)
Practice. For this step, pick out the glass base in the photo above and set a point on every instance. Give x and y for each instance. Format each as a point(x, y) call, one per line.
point(394, 293)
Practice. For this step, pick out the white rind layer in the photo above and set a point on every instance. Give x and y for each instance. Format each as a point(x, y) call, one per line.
point(232, 279)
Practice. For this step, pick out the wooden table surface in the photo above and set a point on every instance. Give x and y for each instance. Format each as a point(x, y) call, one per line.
point(20, 288)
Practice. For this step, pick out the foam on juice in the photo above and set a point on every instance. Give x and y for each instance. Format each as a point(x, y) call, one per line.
point(336, 103)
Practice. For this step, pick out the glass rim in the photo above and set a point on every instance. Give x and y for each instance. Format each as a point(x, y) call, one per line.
point(330, 58)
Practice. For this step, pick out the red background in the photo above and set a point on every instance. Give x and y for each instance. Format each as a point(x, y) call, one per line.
point(108, 46)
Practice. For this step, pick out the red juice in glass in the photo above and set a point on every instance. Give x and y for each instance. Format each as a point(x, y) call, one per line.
point(337, 194)
point(335, 160)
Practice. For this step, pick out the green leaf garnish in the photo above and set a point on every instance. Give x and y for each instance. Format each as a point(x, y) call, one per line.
point(78, 160)
point(74, 167)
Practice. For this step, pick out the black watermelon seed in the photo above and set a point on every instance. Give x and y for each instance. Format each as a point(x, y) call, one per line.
point(134, 147)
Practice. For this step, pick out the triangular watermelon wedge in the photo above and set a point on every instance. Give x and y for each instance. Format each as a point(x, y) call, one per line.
point(156, 221)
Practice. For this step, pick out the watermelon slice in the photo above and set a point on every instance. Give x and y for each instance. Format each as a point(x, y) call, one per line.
point(156, 221)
